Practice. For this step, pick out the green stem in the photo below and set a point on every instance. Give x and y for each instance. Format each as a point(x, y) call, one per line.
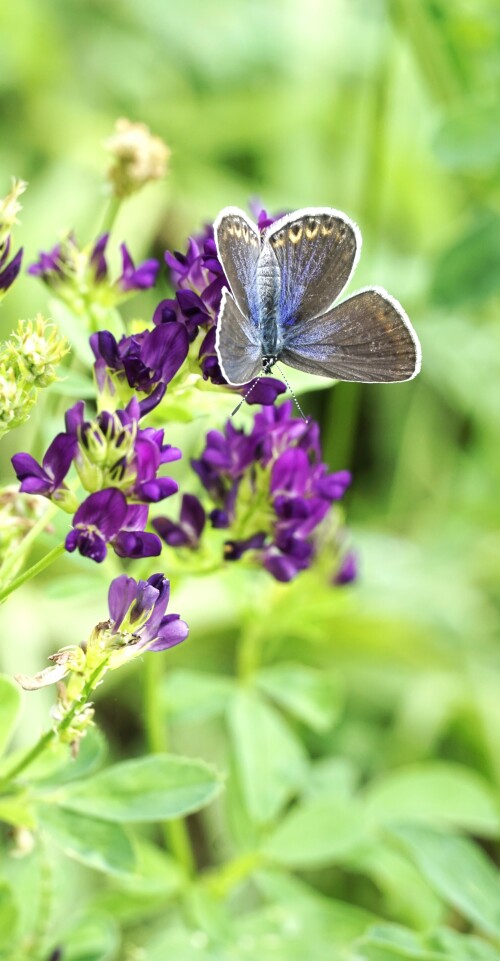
point(21, 550)
point(32, 571)
point(51, 735)
point(430, 48)
point(175, 832)
point(110, 214)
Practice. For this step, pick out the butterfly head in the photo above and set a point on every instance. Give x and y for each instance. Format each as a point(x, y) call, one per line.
point(268, 363)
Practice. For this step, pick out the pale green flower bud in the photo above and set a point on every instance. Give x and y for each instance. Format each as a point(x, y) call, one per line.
point(138, 157)
point(9, 209)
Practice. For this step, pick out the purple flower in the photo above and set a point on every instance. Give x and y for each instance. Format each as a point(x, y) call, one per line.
point(187, 532)
point(106, 518)
point(144, 362)
point(136, 278)
point(113, 451)
point(270, 489)
point(48, 478)
point(138, 608)
point(8, 270)
point(348, 571)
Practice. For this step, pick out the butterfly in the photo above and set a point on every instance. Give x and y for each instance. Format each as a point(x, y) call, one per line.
point(284, 283)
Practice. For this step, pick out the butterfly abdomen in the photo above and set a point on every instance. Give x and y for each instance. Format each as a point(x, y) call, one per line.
point(268, 299)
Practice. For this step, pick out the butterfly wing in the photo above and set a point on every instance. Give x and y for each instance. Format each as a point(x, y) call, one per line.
point(238, 248)
point(367, 338)
point(237, 343)
point(317, 250)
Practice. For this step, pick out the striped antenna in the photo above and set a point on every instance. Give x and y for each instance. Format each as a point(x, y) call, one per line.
point(249, 391)
point(299, 408)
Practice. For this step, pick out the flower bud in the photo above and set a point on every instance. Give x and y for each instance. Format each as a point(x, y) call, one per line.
point(138, 157)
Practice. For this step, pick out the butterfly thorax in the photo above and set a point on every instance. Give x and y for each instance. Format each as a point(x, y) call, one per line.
point(268, 299)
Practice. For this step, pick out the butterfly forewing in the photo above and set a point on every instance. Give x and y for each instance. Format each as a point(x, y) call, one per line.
point(316, 249)
point(237, 344)
point(238, 247)
point(366, 338)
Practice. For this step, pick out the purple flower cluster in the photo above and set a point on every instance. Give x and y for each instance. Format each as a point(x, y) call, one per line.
point(8, 269)
point(63, 266)
point(117, 462)
point(269, 488)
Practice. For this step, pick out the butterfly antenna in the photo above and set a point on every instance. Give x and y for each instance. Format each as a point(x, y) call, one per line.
point(299, 408)
point(245, 395)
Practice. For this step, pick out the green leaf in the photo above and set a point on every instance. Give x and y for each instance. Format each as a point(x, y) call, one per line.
point(57, 766)
point(156, 874)
point(332, 921)
point(458, 871)
point(462, 947)
point(10, 704)
point(308, 694)
point(391, 942)
point(468, 270)
point(195, 695)
point(333, 777)
point(98, 844)
point(8, 915)
point(269, 759)
point(91, 939)
point(435, 792)
point(17, 809)
point(319, 832)
point(153, 788)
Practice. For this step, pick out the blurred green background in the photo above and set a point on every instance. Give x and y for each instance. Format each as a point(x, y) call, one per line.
point(389, 111)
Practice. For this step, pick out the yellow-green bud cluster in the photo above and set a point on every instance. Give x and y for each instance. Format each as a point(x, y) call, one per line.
point(27, 363)
point(138, 157)
point(9, 209)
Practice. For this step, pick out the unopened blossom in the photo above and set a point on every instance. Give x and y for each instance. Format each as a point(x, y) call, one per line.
point(138, 157)
point(28, 361)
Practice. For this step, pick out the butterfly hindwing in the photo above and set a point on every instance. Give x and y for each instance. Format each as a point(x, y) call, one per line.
point(238, 247)
point(237, 343)
point(317, 249)
point(367, 338)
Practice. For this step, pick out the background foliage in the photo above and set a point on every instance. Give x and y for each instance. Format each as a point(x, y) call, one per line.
point(386, 726)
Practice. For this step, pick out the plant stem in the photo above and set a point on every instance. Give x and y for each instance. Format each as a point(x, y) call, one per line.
point(32, 571)
point(21, 550)
point(110, 214)
point(175, 832)
point(49, 736)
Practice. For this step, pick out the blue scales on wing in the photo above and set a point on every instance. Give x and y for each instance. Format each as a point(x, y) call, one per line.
point(317, 249)
point(238, 343)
